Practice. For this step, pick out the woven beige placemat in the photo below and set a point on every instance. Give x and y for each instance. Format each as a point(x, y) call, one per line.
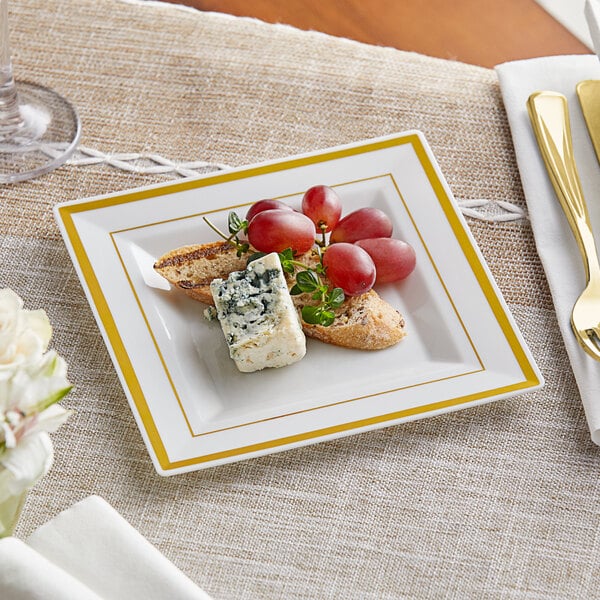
point(499, 501)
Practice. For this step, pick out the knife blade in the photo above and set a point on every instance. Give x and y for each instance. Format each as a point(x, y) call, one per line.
point(588, 92)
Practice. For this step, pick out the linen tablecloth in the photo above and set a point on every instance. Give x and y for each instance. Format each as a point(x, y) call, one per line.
point(498, 501)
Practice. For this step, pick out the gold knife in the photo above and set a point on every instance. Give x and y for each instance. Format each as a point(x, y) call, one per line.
point(588, 92)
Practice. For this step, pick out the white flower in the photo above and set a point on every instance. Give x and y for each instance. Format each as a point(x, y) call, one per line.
point(28, 399)
point(32, 381)
point(24, 334)
point(25, 464)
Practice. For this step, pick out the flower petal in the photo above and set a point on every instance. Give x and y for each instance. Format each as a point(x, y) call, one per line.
point(24, 334)
point(25, 464)
point(51, 419)
point(37, 321)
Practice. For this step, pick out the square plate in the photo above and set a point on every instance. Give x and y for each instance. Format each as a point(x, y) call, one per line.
point(195, 410)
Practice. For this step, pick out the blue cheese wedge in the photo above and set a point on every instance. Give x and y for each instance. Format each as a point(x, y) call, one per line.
point(261, 326)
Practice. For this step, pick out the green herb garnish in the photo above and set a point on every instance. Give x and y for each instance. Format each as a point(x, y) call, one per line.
point(235, 226)
point(308, 280)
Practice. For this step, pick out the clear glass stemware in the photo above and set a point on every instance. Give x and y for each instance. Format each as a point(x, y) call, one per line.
point(39, 129)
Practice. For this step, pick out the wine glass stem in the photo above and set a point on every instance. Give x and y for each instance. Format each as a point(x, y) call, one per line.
point(10, 116)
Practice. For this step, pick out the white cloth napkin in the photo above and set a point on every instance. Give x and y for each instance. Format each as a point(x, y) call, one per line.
point(89, 552)
point(27, 575)
point(592, 16)
point(555, 243)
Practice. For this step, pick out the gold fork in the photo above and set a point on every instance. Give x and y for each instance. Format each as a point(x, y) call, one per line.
point(549, 116)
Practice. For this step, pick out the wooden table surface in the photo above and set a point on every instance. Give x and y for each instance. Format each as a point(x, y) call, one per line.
point(480, 32)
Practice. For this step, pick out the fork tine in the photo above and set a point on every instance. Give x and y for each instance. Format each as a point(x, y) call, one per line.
point(587, 344)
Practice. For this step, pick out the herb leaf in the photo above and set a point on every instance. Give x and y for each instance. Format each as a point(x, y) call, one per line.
point(255, 256)
point(242, 249)
point(236, 224)
point(336, 297)
point(312, 314)
point(287, 254)
point(326, 318)
point(286, 258)
point(308, 281)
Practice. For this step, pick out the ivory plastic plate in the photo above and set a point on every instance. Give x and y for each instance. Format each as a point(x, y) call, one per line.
point(195, 410)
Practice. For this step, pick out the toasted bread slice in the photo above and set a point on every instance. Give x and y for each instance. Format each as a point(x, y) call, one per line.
point(192, 268)
point(366, 322)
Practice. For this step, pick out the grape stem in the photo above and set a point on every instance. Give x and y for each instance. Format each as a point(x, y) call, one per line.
point(322, 242)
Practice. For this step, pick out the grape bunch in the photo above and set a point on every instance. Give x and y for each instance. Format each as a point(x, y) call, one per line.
point(358, 253)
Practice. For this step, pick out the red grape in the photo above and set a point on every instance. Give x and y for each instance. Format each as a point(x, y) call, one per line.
point(322, 206)
point(362, 224)
point(261, 205)
point(349, 267)
point(277, 229)
point(394, 259)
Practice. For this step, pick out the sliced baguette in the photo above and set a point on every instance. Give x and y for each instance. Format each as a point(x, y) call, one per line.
point(366, 322)
point(192, 268)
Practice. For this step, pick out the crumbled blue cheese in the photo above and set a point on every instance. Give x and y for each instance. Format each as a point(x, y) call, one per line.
point(261, 326)
point(210, 313)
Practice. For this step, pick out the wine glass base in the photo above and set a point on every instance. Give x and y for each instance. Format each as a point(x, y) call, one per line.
point(47, 138)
